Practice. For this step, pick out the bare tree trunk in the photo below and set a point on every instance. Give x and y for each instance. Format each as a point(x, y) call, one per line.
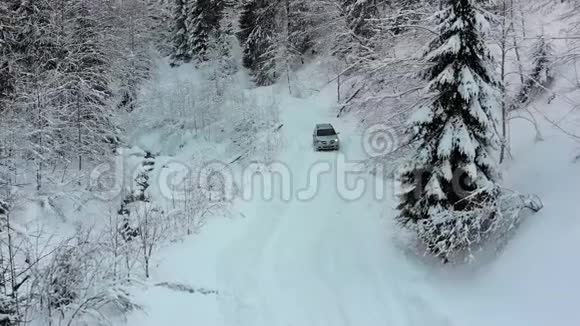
point(40, 131)
point(515, 41)
point(574, 63)
point(287, 44)
point(338, 89)
point(503, 47)
point(144, 226)
point(288, 77)
point(127, 264)
point(151, 230)
point(13, 283)
point(522, 18)
point(115, 243)
point(79, 135)
point(146, 266)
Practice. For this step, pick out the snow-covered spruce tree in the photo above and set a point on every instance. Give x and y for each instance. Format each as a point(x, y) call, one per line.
point(36, 50)
point(248, 20)
point(299, 25)
point(133, 25)
point(179, 34)
point(541, 75)
point(216, 13)
point(85, 95)
point(227, 40)
point(449, 191)
point(7, 59)
point(160, 15)
point(8, 79)
point(220, 64)
point(198, 28)
point(257, 35)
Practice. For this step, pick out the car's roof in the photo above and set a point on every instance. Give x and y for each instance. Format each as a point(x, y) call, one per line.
point(324, 126)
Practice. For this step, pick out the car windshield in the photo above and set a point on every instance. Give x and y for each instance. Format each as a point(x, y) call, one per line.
point(325, 132)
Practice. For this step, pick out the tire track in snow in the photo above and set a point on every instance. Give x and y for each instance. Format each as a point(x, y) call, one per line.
point(238, 271)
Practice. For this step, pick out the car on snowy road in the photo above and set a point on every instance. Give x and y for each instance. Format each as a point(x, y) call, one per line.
point(325, 137)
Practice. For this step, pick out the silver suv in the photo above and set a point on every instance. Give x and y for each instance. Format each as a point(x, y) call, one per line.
point(325, 138)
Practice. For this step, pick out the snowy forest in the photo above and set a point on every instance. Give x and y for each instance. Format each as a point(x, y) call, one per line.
point(109, 110)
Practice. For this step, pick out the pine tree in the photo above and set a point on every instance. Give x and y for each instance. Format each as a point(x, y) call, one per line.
point(37, 50)
point(219, 57)
point(181, 51)
point(449, 186)
point(198, 28)
point(137, 27)
point(541, 75)
point(7, 59)
point(542, 54)
point(160, 18)
point(299, 26)
point(90, 85)
point(216, 13)
point(257, 36)
point(202, 23)
point(248, 20)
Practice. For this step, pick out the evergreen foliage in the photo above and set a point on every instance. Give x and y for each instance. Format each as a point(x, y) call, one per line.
point(180, 52)
point(449, 187)
point(257, 36)
point(541, 75)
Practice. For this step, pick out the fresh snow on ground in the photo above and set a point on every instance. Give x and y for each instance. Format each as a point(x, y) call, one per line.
point(534, 282)
point(320, 259)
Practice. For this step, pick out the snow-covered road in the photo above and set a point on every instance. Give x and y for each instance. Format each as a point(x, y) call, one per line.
point(324, 260)
point(318, 259)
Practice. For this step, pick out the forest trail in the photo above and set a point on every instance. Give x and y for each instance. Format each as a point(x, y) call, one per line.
point(321, 259)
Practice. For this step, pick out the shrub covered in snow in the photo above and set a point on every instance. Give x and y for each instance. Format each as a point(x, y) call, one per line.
point(199, 104)
point(76, 283)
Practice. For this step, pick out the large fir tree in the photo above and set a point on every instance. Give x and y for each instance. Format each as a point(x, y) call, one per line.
point(88, 76)
point(248, 20)
point(7, 43)
point(257, 35)
point(198, 28)
point(203, 23)
point(449, 190)
point(179, 36)
point(299, 25)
